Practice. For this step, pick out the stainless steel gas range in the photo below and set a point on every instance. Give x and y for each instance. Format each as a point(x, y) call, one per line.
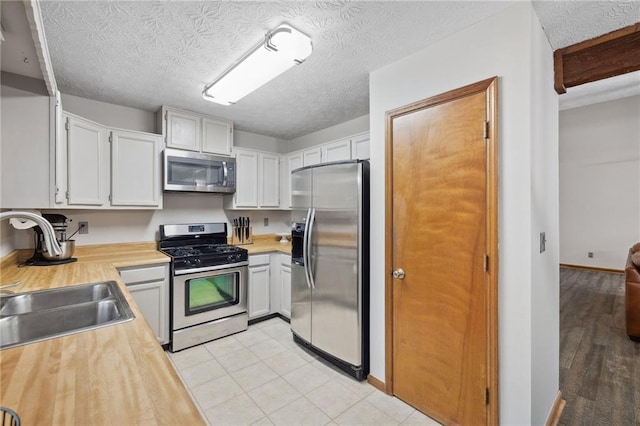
point(208, 283)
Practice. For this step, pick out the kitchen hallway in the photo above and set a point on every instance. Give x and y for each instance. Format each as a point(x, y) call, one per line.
point(262, 377)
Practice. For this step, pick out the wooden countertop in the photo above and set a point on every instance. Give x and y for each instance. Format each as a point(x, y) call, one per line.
point(267, 244)
point(113, 375)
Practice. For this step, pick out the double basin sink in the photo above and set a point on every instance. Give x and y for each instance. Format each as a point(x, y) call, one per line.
point(45, 314)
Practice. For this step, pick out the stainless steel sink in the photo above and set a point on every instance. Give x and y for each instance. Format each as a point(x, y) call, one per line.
point(46, 314)
point(55, 298)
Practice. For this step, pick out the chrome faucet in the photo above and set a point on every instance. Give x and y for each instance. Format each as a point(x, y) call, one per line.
point(47, 230)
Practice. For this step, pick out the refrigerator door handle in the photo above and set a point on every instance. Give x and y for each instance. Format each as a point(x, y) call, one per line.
point(305, 248)
point(309, 263)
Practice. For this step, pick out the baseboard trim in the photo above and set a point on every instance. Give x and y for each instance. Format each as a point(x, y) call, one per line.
point(268, 317)
point(376, 383)
point(556, 410)
point(591, 268)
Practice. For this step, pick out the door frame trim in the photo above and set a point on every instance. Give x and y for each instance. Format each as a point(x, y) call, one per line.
point(490, 88)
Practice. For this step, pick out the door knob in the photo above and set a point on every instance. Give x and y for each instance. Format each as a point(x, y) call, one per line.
point(398, 273)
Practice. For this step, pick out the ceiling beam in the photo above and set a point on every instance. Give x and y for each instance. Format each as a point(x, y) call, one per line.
point(611, 54)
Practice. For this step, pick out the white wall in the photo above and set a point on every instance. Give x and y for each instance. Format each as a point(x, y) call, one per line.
point(25, 163)
point(110, 115)
point(507, 45)
point(122, 226)
point(348, 128)
point(545, 275)
point(250, 140)
point(599, 175)
point(7, 240)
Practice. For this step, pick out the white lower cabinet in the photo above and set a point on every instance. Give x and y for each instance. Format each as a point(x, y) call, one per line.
point(285, 285)
point(269, 285)
point(259, 286)
point(149, 286)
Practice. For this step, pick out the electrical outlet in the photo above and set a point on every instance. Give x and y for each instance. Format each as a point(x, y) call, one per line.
point(266, 221)
point(590, 254)
point(84, 227)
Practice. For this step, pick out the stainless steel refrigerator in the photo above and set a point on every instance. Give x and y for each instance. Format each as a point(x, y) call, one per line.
point(330, 263)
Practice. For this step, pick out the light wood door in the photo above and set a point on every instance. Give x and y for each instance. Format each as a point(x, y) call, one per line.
point(439, 239)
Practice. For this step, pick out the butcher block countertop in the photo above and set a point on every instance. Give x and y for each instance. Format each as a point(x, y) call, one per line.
point(117, 374)
point(267, 244)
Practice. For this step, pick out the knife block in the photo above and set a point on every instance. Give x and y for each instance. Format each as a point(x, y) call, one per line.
point(239, 235)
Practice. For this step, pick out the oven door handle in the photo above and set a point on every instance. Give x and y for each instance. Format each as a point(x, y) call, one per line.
point(311, 224)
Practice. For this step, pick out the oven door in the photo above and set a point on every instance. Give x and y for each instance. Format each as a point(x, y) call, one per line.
point(207, 296)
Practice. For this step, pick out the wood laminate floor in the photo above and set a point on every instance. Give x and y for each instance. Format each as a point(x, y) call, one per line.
point(599, 364)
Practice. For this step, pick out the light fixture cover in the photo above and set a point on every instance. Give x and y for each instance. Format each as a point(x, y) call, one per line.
point(281, 49)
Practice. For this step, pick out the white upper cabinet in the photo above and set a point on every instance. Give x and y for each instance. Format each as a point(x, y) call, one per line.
point(289, 164)
point(108, 168)
point(135, 168)
point(196, 132)
point(182, 130)
point(246, 194)
point(268, 180)
point(257, 180)
point(360, 147)
point(312, 156)
point(216, 136)
point(336, 151)
point(87, 163)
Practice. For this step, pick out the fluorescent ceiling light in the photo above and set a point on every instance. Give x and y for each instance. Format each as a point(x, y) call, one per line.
point(281, 49)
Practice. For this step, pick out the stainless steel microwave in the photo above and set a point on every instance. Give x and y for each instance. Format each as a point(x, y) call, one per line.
point(195, 172)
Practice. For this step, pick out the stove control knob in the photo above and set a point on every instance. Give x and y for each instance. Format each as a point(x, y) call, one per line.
point(238, 256)
point(230, 257)
point(196, 261)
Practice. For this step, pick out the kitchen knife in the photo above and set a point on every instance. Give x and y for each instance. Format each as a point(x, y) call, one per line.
point(247, 230)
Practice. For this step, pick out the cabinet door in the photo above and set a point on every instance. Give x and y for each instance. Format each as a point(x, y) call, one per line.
point(268, 180)
point(135, 169)
point(183, 131)
point(258, 299)
point(246, 179)
point(312, 156)
point(87, 163)
point(336, 151)
point(285, 290)
point(290, 163)
point(360, 147)
point(151, 299)
point(216, 136)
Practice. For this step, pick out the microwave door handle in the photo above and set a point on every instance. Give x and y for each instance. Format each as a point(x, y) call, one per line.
point(224, 173)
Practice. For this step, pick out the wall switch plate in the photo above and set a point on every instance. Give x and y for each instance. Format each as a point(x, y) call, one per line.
point(84, 227)
point(266, 221)
point(590, 254)
point(543, 242)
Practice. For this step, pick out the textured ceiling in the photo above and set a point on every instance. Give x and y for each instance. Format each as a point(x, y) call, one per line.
point(145, 54)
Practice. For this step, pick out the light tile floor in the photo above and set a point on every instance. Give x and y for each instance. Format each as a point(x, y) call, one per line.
point(262, 377)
